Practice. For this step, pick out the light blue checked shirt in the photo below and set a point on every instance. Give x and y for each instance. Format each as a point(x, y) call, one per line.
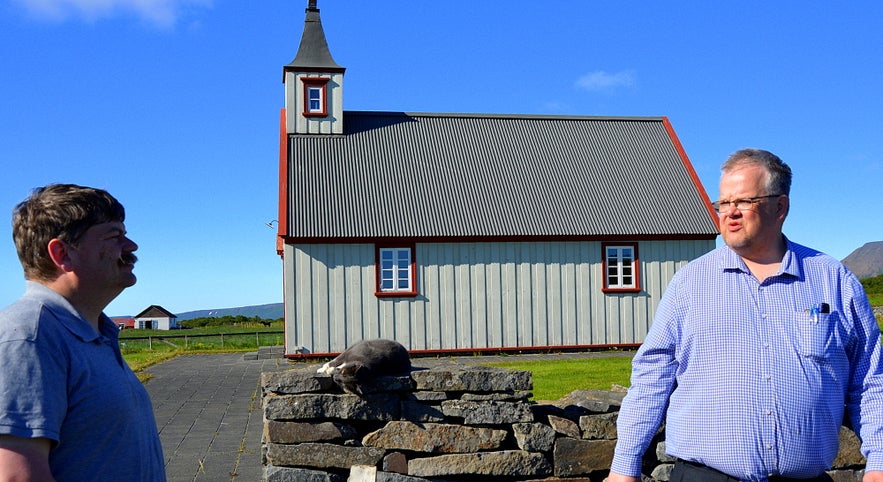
point(746, 379)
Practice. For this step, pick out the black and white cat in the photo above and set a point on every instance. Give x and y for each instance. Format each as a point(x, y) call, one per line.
point(366, 360)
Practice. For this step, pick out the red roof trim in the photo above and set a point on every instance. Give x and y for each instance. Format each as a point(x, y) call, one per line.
point(282, 222)
point(692, 172)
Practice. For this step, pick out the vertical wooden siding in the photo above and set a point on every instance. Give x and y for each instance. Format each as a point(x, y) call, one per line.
point(474, 295)
point(296, 123)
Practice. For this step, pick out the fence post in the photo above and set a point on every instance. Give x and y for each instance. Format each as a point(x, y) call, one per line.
point(257, 340)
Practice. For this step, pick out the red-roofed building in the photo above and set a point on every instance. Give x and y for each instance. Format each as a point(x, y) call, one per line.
point(124, 322)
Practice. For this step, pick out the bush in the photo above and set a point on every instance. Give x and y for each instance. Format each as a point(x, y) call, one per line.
point(873, 286)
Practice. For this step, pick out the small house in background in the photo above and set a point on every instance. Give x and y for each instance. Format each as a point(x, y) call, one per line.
point(473, 232)
point(156, 317)
point(123, 322)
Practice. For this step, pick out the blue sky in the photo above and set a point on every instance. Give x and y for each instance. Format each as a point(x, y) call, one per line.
point(173, 106)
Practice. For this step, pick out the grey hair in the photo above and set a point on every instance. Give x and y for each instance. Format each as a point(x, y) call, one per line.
point(778, 173)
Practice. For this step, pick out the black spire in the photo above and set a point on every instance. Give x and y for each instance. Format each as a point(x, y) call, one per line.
point(313, 53)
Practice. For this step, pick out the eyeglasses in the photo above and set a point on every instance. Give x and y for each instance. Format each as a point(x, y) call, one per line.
point(740, 204)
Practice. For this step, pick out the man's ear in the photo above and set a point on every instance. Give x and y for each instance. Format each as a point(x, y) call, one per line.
point(783, 206)
point(60, 255)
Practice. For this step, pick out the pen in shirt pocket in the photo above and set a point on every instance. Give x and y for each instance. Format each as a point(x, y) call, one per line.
point(819, 309)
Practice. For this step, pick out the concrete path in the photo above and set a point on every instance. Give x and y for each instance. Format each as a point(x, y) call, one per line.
point(208, 411)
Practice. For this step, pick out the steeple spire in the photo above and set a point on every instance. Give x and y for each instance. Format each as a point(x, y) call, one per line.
point(313, 53)
point(313, 83)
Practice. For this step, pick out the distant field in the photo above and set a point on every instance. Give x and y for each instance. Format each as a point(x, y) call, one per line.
point(147, 343)
point(214, 330)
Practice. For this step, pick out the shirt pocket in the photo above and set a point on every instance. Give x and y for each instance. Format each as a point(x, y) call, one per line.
point(813, 333)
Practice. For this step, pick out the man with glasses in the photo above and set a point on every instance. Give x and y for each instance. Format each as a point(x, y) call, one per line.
point(756, 351)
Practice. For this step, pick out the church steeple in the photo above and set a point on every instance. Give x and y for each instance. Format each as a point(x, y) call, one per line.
point(313, 83)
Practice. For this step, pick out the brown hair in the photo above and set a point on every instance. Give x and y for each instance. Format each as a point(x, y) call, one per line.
point(62, 211)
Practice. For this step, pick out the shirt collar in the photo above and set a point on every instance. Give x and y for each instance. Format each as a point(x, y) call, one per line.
point(791, 262)
point(730, 261)
point(67, 315)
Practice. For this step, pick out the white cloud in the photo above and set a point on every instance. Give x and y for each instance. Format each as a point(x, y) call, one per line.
point(160, 12)
point(605, 81)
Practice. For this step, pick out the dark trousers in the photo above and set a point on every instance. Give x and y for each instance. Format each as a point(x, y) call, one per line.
point(685, 471)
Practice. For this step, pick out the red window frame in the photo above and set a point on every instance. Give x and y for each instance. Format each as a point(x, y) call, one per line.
point(635, 267)
point(322, 84)
point(412, 272)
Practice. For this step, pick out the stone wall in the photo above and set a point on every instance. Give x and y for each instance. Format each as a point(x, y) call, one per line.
point(450, 423)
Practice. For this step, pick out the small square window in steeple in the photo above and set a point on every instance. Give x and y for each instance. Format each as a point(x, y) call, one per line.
point(315, 96)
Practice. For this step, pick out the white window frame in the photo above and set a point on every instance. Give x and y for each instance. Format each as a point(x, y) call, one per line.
point(620, 265)
point(317, 99)
point(315, 89)
point(396, 271)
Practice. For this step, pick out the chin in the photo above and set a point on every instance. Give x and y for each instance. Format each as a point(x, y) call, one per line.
point(129, 281)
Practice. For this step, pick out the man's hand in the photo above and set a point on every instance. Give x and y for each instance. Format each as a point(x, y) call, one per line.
point(614, 477)
point(873, 476)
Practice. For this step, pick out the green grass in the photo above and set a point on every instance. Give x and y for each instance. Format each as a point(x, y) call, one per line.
point(553, 379)
point(140, 354)
point(875, 299)
point(209, 339)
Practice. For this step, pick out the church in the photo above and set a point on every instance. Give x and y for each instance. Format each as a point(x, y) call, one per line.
point(467, 233)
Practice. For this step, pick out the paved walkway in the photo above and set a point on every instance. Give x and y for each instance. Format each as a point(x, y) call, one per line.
point(208, 410)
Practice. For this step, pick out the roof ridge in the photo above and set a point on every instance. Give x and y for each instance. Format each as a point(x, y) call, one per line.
point(479, 115)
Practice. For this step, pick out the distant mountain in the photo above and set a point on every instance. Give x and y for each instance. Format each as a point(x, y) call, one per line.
point(271, 311)
point(866, 261)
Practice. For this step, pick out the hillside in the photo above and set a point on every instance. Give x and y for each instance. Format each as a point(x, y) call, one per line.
point(866, 261)
point(271, 311)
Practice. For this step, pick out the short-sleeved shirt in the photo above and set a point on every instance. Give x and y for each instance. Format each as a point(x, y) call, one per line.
point(61, 380)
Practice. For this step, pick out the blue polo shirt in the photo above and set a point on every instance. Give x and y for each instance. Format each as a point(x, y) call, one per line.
point(62, 381)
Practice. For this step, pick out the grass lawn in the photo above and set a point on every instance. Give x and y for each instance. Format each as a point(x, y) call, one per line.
point(553, 379)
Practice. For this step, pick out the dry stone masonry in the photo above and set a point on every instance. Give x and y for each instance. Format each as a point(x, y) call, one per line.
point(451, 423)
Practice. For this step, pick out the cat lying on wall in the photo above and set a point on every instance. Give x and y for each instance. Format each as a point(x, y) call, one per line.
point(366, 360)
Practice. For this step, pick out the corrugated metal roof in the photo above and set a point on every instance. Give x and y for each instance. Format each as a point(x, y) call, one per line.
point(415, 175)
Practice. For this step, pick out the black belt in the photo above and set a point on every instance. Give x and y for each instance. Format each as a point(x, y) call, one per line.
point(694, 471)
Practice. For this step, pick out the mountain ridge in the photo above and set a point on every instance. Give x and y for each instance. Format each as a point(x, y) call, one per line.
point(866, 261)
point(270, 311)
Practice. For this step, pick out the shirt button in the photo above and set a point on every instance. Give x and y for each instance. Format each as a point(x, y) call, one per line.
point(769, 447)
